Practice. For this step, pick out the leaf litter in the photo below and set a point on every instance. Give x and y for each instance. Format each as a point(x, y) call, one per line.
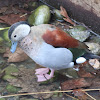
point(65, 15)
point(12, 18)
point(18, 56)
point(26, 79)
point(94, 63)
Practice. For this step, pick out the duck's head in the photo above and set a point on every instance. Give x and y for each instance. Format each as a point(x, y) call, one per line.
point(17, 32)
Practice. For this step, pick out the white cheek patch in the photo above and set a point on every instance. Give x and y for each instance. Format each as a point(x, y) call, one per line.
point(21, 31)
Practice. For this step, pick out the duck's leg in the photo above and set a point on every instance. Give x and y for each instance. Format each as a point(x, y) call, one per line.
point(49, 76)
point(42, 71)
point(44, 77)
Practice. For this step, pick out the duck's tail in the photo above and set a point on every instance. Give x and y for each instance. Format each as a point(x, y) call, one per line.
point(91, 56)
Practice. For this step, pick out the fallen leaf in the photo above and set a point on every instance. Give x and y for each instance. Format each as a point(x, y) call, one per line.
point(95, 82)
point(10, 10)
point(28, 82)
point(14, 10)
point(94, 63)
point(18, 56)
point(85, 70)
point(75, 83)
point(12, 18)
point(83, 73)
point(66, 17)
point(1, 21)
point(93, 47)
point(3, 9)
point(80, 94)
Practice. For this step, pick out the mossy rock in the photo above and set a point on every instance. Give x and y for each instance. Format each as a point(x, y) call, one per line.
point(12, 89)
point(1, 40)
point(6, 77)
point(10, 69)
point(40, 16)
point(5, 35)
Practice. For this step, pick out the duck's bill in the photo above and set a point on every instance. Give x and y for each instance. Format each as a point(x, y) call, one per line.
point(13, 47)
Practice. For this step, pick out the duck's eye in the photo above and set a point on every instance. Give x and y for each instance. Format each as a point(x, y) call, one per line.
point(15, 35)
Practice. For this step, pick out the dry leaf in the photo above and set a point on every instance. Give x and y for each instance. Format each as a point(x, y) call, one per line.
point(80, 94)
point(94, 63)
point(3, 9)
point(83, 73)
point(28, 82)
point(64, 13)
point(14, 10)
point(18, 56)
point(1, 21)
point(12, 18)
point(75, 83)
point(96, 81)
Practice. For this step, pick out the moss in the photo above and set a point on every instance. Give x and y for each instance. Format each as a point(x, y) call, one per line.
point(10, 69)
point(5, 77)
point(12, 89)
point(1, 39)
point(5, 35)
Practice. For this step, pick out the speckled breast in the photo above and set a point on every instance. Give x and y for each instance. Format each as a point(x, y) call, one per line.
point(26, 45)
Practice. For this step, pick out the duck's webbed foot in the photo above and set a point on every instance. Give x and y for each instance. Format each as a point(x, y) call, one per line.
point(42, 74)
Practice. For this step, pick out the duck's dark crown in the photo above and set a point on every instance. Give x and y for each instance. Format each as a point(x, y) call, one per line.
point(13, 27)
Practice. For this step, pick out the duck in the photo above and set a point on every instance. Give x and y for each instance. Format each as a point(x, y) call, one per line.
point(47, 45)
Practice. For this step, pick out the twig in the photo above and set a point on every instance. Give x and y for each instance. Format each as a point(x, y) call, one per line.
point(91, 90)
point(90, 96)
point(4, 28)
point(71, 96)
point(64, 13)
point(79, 23)
point(46, 92)
point(47, 4)
point(23, 15)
